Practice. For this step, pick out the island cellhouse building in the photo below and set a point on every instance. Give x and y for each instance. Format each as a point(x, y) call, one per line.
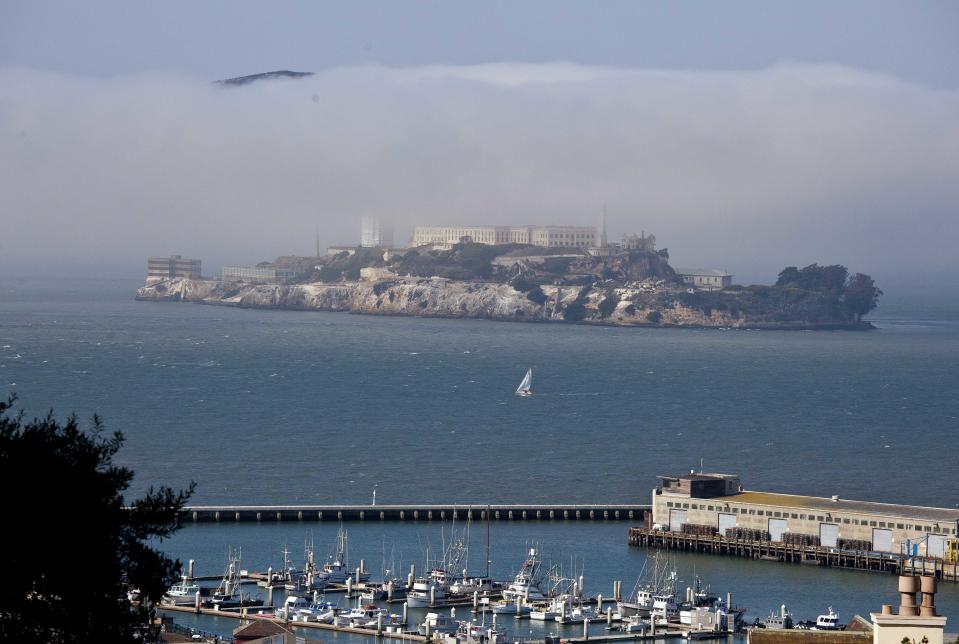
point(716, 504)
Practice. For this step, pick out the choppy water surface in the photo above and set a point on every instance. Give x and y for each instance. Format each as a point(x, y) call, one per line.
point(298, 407)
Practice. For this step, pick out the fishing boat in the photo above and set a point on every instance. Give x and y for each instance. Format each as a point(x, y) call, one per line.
point(828, 622)
point(438, 623)
point(319, 612)
point(292, 605)
point(634, 624)
point(526, 582)
point(782, 621)
point(526, 386)
point(181, 594)
point(435, 588)
point(337, 568)
point(228, 593)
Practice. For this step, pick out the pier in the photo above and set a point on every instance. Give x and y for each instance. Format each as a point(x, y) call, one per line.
point(793, 553)
point(500, 512)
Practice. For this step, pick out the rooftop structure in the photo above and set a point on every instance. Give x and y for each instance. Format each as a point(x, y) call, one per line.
point(172, 267)
point(719, 503)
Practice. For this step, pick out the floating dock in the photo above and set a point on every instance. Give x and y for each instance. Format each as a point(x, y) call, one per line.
point(521, 512)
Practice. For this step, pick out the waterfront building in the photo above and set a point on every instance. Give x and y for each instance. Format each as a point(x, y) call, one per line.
point(374, 233)
point(172, 267)
point(545, 236)
point(707, 279)
point(718, 502)
point(257, 274)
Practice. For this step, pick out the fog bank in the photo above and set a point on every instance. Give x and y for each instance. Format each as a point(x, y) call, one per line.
point(747, 171)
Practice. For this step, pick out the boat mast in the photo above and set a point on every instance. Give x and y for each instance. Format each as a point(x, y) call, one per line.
point(489, 559)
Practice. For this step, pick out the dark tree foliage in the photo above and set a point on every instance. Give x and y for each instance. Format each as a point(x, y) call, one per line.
point(861, 295)
point(74, 545)
point(609, 303)
point(848, 297)
point(814, 277)
point(537, 296)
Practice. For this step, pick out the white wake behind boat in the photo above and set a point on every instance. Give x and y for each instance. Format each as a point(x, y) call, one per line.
point(526, 386)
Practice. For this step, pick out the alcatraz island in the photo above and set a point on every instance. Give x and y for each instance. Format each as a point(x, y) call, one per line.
point(569, 274)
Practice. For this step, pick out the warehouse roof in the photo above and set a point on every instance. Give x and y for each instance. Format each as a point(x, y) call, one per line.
point(941, 515)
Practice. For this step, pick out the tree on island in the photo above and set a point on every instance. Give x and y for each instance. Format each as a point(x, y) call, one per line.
point(74, 545)
point(861, 295)
point(856, 295)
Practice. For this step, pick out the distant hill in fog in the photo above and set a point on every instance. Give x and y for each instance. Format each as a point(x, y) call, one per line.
point(252, 78)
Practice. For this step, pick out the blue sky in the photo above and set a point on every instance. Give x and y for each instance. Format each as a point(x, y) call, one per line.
point(915, 41)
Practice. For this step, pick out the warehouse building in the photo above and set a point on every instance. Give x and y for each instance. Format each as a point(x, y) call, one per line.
point(718, 504)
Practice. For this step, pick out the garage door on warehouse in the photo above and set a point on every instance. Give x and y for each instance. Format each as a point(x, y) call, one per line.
point(881, 540)
point(776, 529)
point(676, 520)
point(937, 546)
point(828, 534)
point(726, 521)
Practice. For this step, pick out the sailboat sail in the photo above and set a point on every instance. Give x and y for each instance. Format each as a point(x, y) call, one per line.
point(526, 386)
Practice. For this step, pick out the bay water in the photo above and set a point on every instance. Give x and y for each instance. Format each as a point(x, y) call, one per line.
point(277, 407)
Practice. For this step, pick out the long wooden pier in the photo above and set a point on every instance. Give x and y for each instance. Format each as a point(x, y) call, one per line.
point(499, 512)
point(789, 553)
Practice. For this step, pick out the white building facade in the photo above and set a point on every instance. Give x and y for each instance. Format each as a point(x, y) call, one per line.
point(375, 233)
point(545, 236)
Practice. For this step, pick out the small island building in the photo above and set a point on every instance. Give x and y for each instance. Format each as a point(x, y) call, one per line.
point(707, 279)
point(172, 267)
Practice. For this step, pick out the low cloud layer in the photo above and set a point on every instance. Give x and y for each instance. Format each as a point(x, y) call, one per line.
point(747, 171)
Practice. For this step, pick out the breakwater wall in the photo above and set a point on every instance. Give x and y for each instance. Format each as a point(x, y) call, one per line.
point(498, 512)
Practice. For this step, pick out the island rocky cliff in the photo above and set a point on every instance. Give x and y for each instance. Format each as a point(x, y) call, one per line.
point(516, 282)
point(440, 297)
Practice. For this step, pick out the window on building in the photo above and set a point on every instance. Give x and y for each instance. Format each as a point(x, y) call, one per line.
point(845, 520)
point(669, 504)
point(794, 516)
point(927, 528)
point(900, 526)
point(872, 524)
point(820, 518)
point(710, 508)
point(882, 524)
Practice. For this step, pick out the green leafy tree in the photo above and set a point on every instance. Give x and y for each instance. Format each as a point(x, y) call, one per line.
point(77, 545)
point(861, 295)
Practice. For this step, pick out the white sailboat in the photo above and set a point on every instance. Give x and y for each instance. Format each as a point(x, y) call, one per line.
point(526, 386)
